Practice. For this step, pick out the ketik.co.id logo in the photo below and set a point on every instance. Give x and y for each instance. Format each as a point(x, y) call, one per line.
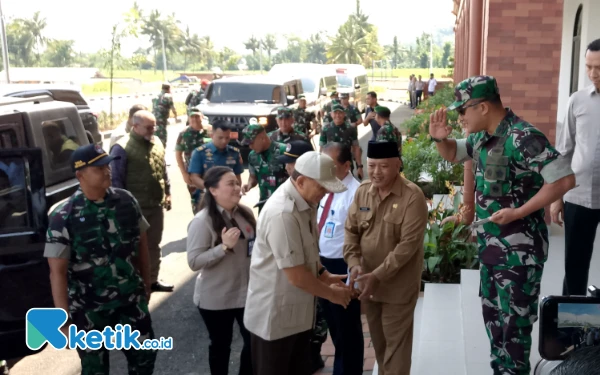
point(43, 325)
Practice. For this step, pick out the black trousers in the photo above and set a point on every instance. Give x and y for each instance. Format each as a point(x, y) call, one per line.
point(345, 327)
point(219, 324)
point(289, 355)
point(580, 232)
point(419, 97)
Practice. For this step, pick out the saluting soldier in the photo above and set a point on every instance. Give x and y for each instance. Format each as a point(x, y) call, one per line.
point(188, 140)
point(517, 173)
point(286, 132)
point(97, 251)
point(340, 130)
point(218, 152)
point(388, 132)
point(265, 169)
point(352, 114)
point(383, 247)
point(305, 121)
point(161, 106)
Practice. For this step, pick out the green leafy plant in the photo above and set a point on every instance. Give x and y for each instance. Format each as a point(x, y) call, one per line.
point(447, 246)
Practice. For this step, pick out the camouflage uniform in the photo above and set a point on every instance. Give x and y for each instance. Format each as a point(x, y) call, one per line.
point(269, 172)
point(303, 120)
point(161, 106)
point(194, 98)
point(510, 167)
point(101, 240)
point(352, 114)
point(187, 141)
point(389, 133)
point(278, 136)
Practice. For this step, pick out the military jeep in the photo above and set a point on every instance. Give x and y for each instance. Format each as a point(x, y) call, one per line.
point(238, 99)
point(37, 136)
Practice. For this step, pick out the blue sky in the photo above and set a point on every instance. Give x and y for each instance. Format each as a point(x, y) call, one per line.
point(229, 23)
point(579, 308)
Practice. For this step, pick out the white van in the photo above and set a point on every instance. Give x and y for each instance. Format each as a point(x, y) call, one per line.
point(317, 82)
point(352, 79)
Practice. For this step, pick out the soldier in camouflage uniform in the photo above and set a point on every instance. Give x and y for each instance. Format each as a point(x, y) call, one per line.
point(340, 130)
point(188, 140)
point(388, 132)
point(161, 106)
point(265, 169)
point(96, 249)
point(193, 99)
point(287, 131)
point(305, 121)
point(517, 173)
point(326, 111)
point(352, 113)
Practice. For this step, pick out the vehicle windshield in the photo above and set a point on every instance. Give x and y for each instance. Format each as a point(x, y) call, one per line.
point(235, 92)
point(344, 80)
point(308, 85)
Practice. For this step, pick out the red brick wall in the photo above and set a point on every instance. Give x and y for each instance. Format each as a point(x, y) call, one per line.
point(522, 51)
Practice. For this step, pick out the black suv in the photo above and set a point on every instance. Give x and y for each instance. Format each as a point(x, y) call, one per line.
point(37, 136)
point(70, 94)
point(238, 99)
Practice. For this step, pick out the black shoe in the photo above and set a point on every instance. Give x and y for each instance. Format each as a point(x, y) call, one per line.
point(161, 287)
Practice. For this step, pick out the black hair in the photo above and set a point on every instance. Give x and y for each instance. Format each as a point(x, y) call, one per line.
point(135, 108)
point(373, 94)
point(594, 46)
point(585, 361)
point(212, 178)
point(295, 175)
point(221, 124)
point(495, 100)
point(345, 151)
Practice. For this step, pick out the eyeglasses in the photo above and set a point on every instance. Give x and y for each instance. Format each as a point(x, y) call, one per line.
point(463, 108)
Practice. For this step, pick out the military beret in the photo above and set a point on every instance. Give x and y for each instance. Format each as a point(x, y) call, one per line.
point(383, 111)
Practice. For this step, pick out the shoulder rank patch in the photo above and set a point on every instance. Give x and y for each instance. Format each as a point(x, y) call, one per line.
point(201, 148)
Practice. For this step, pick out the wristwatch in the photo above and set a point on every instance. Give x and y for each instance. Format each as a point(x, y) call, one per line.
point(359, 166)
point(322, 270)
point(437, 139)
point(225, 248)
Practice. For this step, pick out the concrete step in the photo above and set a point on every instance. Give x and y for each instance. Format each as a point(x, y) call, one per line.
point(477, 345)
point(441, 346)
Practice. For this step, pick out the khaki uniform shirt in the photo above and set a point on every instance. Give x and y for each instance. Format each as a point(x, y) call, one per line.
point(385, 236)
point(286, 237)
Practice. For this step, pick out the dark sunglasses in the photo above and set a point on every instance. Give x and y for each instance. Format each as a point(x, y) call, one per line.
point(463, 108)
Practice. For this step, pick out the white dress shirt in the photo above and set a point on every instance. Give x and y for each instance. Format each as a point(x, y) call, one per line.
point(578, 140)
point(432, 84)
point(331, 238)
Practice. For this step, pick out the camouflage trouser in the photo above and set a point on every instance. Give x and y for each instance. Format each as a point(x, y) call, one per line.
point(509, 298)
point(195, 198)
point(161, 132)
point(318, 337)
point(136, 314)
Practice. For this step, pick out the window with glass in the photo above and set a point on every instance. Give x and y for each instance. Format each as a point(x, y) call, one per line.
point(61, 141)
point(576, 53)
point(13, 195)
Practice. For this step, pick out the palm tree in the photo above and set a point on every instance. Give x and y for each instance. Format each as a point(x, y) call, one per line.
point(317, 50)
point(150, 27)
point(207, 51)
point(36, 26)
point(252, 44)
point(191, 46)
point(20, 43)
point(348, 46)
point(394, 52)
point(269, 43)
point(60, 52)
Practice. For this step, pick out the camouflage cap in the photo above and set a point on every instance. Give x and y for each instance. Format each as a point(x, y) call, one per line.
point(336, 107)
point(478, 87)
point(195, 111)
point(333, 92)
point(301, 96)
point(250, 132)
point(383, 111)
point(284, 112)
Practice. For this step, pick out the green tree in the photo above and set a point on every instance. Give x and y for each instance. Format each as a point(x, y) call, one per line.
point(36, 27)
point(393, 52)
point(447, 53)
point(60, 53)
point(207, 51)
point(316, 49)
point(192, 46)
point(252, 44)
point(20, 43)
point(269, 43)
point(349, 45)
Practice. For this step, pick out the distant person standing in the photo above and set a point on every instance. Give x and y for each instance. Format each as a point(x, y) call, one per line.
point(304, 121)
point(370, 114)
point(431, 85)
point(286, 131)
point(411, 90)
point(577, 139)
point(162, 105)
point(419, 86)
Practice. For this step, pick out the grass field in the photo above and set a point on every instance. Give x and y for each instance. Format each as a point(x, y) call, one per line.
point(152, 76)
